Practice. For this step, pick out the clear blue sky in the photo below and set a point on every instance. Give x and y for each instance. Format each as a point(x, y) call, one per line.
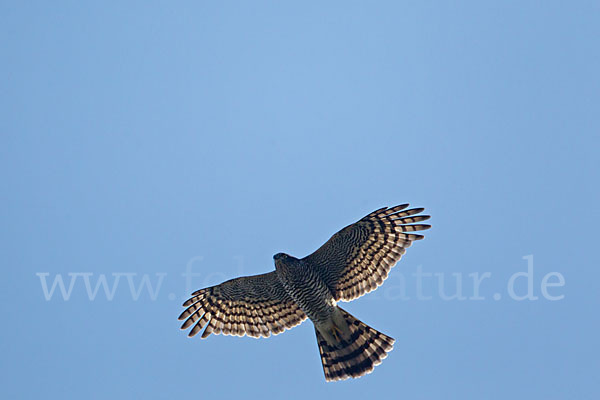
point(142, 137)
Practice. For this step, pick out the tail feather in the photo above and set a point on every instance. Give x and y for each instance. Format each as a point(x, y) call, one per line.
point(356, 356)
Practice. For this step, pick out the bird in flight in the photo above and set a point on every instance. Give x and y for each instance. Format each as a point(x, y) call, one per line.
point(354, 261)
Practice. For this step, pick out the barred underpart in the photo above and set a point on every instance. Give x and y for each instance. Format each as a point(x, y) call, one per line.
point(257, 306)
point(356, 357)
point(357, 259)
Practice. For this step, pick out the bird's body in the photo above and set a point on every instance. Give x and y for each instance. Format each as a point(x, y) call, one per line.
point(305, 286)
point(355, 261)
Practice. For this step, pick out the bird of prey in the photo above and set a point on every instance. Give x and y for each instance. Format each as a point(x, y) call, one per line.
point(354, 261)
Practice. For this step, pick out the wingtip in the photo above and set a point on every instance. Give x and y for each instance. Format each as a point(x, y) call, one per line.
point(397, 208)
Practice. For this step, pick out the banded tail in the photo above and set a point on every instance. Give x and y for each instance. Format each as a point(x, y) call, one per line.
point(356, 356)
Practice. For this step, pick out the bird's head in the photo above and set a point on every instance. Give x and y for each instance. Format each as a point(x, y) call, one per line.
point(280, 256)
point(282, 259)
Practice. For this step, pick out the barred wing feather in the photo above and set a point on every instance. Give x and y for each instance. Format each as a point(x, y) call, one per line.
point(257, 306)
point(357, 259)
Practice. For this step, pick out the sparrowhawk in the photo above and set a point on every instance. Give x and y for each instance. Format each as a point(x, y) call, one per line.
point(354, 261)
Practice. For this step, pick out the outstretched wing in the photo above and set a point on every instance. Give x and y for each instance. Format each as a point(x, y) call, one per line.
point(357, 259)
point(251, 305)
